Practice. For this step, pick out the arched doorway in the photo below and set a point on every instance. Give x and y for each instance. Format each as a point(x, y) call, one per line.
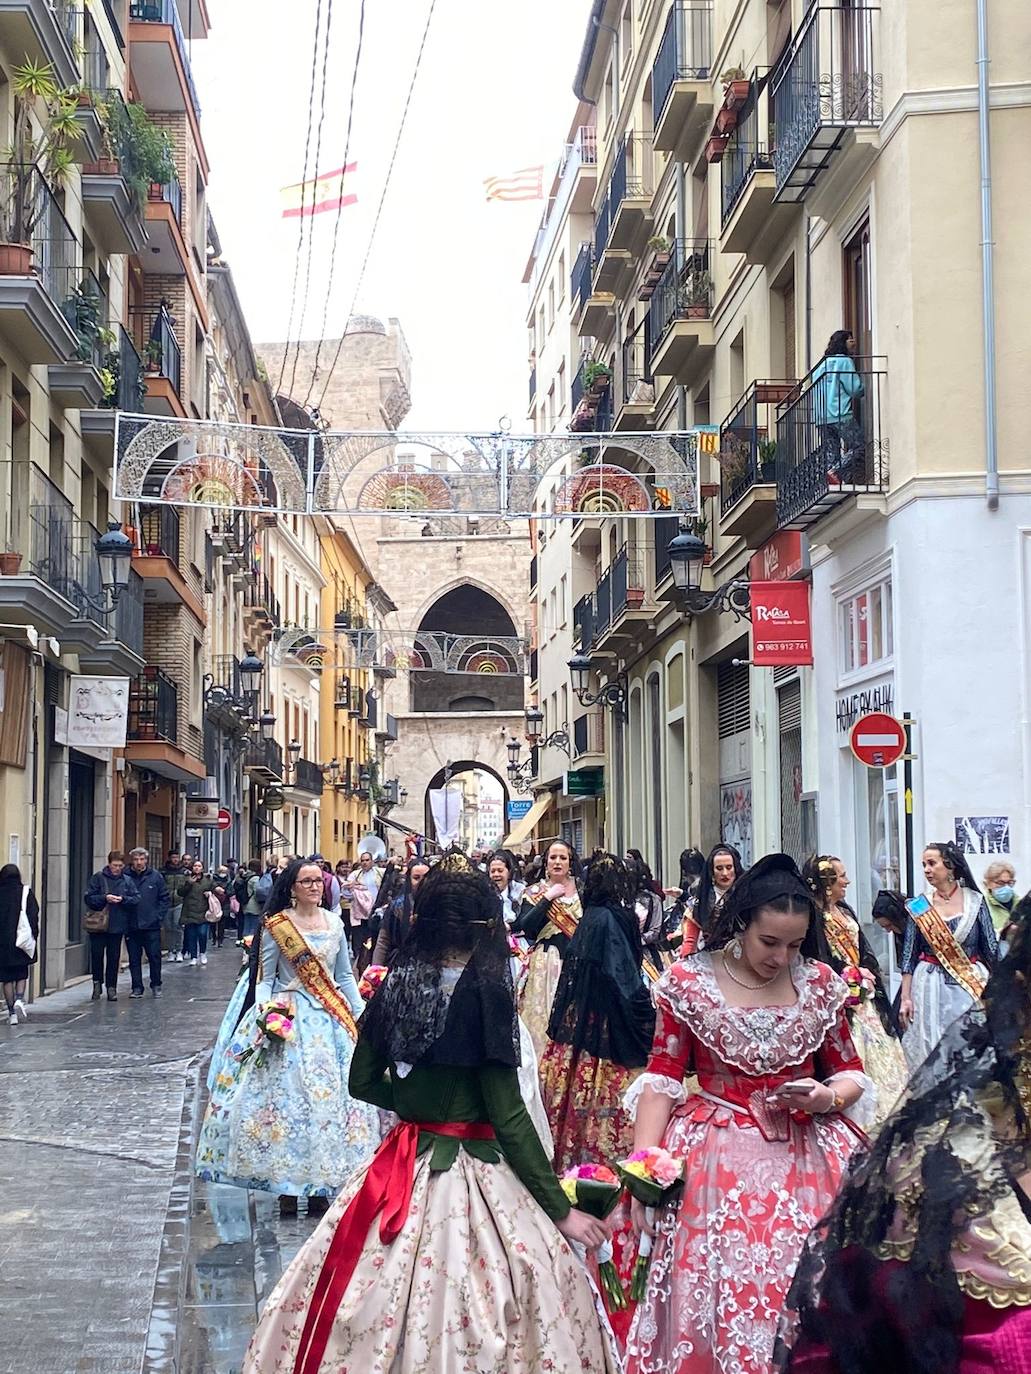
point(467, 610)
point(479, 796)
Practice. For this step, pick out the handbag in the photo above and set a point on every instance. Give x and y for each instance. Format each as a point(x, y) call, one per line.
point(95, 922)
point(214, 909)
point(24, 939)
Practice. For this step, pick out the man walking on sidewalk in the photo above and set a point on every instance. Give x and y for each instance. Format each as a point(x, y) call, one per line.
point(146, 920)
point(173, 874)
point(110, 896)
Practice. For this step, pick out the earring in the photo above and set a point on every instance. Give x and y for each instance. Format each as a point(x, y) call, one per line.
point(734, 948)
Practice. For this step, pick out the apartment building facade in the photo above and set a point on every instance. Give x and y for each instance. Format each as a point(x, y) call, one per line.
point(768, 175)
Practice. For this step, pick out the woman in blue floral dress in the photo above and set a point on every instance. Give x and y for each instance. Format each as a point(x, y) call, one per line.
point(280, 1117)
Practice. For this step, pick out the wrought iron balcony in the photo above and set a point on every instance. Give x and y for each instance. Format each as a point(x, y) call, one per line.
point(533, 571)
point(533, 384)
point(637, 390)
point(388, 729)
point(153, 707)
point(831, 444)
point(589, 734)
point(748, 149)
point(626, 206)
point(45, 32)
point(582, 277)
point(664, 529)
point(826, 89)
point(748, 449)
point(591, 399)
point(38, 309)
point(264, 758)
point(155, 338)
point(126, 367)
point(534, 670)
point(169, 193)
point(259, 596)
point(680, 73)
point(306, 776)
point(680, 311)
point(167, 12)
point(584, 622)
point(159, 532)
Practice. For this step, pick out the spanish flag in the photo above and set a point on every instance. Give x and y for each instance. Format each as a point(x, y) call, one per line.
point(324, 192)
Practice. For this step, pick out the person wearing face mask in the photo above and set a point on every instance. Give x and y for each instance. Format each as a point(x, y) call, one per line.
point(873, 1024)
point(548, 917)
point(1001, 895)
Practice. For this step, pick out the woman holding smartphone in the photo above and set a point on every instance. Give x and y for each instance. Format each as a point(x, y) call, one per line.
point(760, 1018)
point(950, 950)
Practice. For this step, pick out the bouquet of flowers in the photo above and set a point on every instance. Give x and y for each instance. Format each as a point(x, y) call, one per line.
point(650, 1176)
point(245, 942)
point(595, 1189)
point(275, 1026)
point(861, 985)
point(371, 979)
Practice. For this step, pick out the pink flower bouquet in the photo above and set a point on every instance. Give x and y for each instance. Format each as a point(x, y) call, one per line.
point(651, 1176)
point(275, 1027)
point(595, 1189)
point(371, 980)
point(861, 984)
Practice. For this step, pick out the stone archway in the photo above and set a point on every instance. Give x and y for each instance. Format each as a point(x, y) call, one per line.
point(492, 827)
point(468, 608)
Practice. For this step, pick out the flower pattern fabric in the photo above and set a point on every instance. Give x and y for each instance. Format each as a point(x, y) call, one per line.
point(287, 1124)
point(424, 1305)
point(756, 1179)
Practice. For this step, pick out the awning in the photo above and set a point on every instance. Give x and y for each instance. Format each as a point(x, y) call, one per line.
point(522, 830)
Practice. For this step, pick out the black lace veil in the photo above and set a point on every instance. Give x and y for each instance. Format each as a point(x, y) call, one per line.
point(421, 1014)
point(907, 1318)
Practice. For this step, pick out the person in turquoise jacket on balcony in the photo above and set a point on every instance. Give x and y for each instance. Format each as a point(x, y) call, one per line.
point(836, 386)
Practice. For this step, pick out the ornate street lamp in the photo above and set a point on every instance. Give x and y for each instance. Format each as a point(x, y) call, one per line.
point(114, 554)
point(613, 694)
point(268, 725)
point(687, 558)
point(559, 739)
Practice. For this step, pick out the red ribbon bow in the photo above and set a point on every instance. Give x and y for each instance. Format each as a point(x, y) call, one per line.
point(387, 1188)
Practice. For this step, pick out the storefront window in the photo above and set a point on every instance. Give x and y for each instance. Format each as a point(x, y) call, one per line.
point(866, 628)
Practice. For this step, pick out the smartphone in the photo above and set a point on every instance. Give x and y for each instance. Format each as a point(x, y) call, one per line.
point(795, 1087)
point(918, 906)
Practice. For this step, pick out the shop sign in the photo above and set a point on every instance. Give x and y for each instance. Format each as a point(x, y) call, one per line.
point(862, 702)
point(203, 812)
point(781, 558)
point(588, 782)
point(518, 808)
point(782, 634)
point(274, 799)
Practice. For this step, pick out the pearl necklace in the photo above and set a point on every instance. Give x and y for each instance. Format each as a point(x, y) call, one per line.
point(751, 987)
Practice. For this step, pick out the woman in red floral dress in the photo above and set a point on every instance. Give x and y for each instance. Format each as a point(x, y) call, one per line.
point(759, 1017)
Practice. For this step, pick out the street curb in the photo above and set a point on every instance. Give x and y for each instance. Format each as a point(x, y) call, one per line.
point(164, 1334)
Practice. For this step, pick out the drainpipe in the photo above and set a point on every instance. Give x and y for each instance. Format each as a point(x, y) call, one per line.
point(991, 485)
point(681, 213)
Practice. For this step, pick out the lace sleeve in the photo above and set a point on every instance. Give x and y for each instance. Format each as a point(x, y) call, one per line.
point(659, 1083)
point(667, 1064)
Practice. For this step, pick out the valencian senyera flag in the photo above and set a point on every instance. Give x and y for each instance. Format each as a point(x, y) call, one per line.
point(525, 185)
point(324, 192)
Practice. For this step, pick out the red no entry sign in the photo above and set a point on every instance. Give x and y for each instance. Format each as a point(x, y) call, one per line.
point(225, 820)
point(878, 740)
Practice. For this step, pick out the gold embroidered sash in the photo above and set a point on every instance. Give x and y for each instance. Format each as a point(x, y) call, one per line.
point(949, 952)
point(563, 919)
point(843, 943)
point(311, 971)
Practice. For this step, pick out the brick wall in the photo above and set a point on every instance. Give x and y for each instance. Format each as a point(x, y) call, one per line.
point(169, 635)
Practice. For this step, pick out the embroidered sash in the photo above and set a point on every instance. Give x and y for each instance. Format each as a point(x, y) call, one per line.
point(839, 932)
point(563, 918)
point(947, 949)
point(311, 971)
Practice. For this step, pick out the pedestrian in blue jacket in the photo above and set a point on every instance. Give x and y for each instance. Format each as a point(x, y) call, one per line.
point(836, 386)
point(110, 897)
point(145, 922)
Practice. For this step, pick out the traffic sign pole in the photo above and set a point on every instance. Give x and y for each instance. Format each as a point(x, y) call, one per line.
point(907, 792)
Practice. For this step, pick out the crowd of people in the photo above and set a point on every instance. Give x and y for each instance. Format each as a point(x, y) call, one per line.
point(434, 1054)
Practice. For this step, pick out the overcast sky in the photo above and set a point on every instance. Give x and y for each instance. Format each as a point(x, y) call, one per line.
point(494, 94)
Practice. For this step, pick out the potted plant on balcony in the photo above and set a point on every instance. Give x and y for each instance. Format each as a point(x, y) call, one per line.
point(661, 246)
point(597, 377)
point(715, 148)
point(137, 148)
point(31, 155)
point(726, 120)
point(10, 563)
point(153, 356)
point(767, 460)
point(735, 88)
point(696, 294)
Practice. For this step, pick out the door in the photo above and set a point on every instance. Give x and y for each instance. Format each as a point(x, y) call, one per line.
point(858, 300)
point(81, 820)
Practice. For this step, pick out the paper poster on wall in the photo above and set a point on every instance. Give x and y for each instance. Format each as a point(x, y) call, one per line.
point(736, 817)
point(983, 834)
point(98, 712)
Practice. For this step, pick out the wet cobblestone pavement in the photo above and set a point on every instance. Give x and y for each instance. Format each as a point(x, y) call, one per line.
point(111, 1258)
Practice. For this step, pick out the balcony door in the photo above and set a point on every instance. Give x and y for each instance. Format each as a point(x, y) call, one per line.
point(856, 61)
point(858, 300)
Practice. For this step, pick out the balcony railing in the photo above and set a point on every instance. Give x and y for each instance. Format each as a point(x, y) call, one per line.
point(748, 440)
point(589, 734)
point(631, 179)
point(603, 603)
point(748, 148)
point(126, 622)
point(685, 52)
point(61, 551)
point(582, 277)
point(824, 86)
point(830, 441)
point(153, 707)
point(533, 665)
point(637, 380)
point(36, 218)
point(126, 365)
point(583, 149)
point(591, 404)
point(159, 532)
point(167, 12)
point(88, 316)
point(258, 594)
point(307, 777)
point(171, 193)
point(684, 291)
point(156, 340)
point(96, 70)
point(533, 384)
point(264, 753)
point(533, 571)
point(583, 622)
point(627, 581)
point(664, 529)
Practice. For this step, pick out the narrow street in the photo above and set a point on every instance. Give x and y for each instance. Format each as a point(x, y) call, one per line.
point(98, 1105)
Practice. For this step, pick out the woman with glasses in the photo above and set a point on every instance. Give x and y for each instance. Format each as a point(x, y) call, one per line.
point(280, 1117)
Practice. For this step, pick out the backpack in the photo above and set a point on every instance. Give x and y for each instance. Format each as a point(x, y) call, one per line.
point(264, 889)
